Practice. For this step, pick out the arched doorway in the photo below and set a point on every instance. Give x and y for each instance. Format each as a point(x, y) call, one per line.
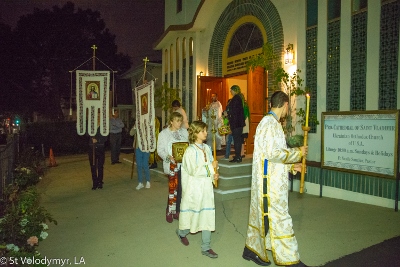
point(253, 85)
point(239, 34)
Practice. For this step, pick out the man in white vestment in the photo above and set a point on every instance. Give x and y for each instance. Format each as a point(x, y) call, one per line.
point(270, 225)
point(215, 108)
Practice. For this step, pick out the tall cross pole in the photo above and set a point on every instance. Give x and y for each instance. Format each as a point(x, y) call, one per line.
point(94, 47)
point(94, 68)
point(145, 60)
point(213, 130)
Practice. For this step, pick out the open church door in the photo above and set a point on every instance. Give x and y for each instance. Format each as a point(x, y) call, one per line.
point(207, 85)
point(257, 99)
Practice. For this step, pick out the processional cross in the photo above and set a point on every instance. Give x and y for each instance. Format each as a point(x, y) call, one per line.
point(94, 47)
point(145, 60)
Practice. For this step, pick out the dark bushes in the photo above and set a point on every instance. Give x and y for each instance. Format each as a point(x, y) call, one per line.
point(60, 136)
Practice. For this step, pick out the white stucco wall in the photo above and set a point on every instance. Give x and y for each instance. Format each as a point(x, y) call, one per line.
point(189, 8)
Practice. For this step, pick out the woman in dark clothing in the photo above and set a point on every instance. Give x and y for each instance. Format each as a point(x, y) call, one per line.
point(236, 121)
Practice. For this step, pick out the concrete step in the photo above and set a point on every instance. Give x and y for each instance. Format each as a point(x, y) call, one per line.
point(227, 168)
point(233, 192)
point(226, 181)
point(234, 180)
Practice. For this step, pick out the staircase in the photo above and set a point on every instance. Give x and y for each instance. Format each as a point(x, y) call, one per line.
point(234, 179)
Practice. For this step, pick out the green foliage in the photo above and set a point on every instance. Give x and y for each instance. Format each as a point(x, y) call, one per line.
point(312, 118)
point(165, 95)
point(25, 177)
point(295, 140)
point(24, 223)
point(33, 159)
point(291, 84)
point(267, 59)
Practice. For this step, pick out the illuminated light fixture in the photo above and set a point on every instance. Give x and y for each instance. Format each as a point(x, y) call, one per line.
point(289, 55)
point(201, 73)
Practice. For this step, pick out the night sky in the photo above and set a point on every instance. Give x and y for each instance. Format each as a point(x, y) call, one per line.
point(137, 24)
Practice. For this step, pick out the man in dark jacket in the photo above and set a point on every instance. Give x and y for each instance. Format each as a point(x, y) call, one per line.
point(236, 121)
point(97, 156)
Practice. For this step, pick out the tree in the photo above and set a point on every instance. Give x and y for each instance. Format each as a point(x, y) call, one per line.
point(290, 84)
point(6, 61)
point(165, 95)
point(49, 44)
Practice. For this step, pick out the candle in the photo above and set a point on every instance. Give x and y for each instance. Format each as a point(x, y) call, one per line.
point(307, 108)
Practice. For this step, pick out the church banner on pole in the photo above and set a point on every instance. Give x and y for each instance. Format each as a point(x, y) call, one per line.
point(92, 97)
point(145, 116)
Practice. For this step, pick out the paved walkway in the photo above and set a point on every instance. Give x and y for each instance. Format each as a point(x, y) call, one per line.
point(120, 226)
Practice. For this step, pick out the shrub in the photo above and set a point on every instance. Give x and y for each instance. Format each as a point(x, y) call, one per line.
point(24, 223)
point(25, 177)
point(61, 136)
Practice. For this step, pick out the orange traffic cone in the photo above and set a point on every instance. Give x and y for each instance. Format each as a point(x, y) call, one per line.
point(52, 160)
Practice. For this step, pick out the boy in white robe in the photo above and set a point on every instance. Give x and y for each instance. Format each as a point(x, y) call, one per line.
point(198, 172)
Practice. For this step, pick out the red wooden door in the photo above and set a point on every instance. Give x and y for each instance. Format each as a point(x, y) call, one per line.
point(257, 98)
point(207, 85)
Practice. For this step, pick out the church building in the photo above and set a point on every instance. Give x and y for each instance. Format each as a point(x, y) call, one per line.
point(347, 52)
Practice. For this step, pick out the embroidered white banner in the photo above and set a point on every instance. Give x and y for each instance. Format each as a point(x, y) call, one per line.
point(145, 117)
point(92, 93)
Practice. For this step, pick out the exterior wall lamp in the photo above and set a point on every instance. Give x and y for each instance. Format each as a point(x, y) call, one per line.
point(289, 55)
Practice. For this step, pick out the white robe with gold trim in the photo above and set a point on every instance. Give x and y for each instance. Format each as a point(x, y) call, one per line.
point(216, 109)
point(272, 160)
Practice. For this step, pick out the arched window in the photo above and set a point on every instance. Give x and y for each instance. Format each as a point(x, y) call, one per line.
point(246, 38)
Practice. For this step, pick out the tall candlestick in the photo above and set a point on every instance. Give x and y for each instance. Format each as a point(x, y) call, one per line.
point(307, 108)
point(305, 129)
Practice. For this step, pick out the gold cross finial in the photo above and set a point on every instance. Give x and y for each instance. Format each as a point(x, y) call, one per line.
point(94, 47)
point(145, 60)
